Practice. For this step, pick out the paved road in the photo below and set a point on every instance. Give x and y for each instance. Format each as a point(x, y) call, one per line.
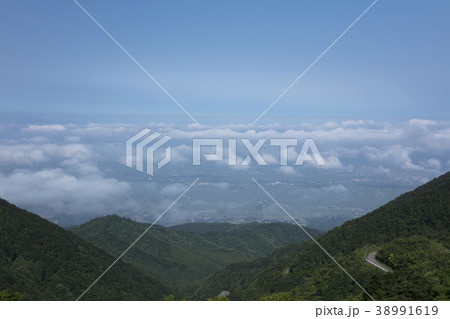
point(371, 260)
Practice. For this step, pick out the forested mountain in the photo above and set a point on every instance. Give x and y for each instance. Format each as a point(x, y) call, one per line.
point(410, 235)
point(410, 232)
point(181, 255)
point(42, 261)
point(254, 239)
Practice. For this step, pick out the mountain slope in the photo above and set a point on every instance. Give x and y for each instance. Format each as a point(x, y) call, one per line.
point(254, 239)
point(178, 257)
point(421, 269)
point(42, 261)
point(310, 274)
point(201, 228)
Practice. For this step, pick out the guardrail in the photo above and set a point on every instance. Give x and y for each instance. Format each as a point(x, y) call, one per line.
point(376, 265)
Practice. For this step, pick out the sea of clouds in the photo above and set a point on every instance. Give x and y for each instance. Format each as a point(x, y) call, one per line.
point(79, 169)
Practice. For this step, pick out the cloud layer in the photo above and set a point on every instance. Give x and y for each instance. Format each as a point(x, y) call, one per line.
point(68, 169)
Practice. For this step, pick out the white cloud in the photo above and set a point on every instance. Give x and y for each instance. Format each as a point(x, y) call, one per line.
point(21, 154)
point(270, 159)
point(78, 167)
point(28, 154)
point(346, 143)
point(37, 140)
point(330, 125)
point(422, 122)
point(44, 128)
point(332, 162)
point(173, 189)
point(358, 123)
point(181, 154)
point(395, 155)
point(383, 170)
point(72, 139)
point(433, 163)
point(55, 191)
point(53, 163)
point(339, 188)
point(287, 170)
point(119, 131)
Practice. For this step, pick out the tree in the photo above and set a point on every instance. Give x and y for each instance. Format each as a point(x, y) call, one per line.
point(8, 295)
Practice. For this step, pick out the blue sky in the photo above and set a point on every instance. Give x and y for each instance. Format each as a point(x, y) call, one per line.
point(225, 61)
point(376, 104)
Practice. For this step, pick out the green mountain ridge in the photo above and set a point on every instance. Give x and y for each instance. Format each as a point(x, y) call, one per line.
point(202, 228)
point(41, 261)
point(276, 261)
point(305, 272)
point(182, 255)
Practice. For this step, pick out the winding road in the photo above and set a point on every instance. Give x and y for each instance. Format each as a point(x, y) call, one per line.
point(371, 260)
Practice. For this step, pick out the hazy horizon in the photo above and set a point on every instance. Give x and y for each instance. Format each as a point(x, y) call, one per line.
point(376, 105)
